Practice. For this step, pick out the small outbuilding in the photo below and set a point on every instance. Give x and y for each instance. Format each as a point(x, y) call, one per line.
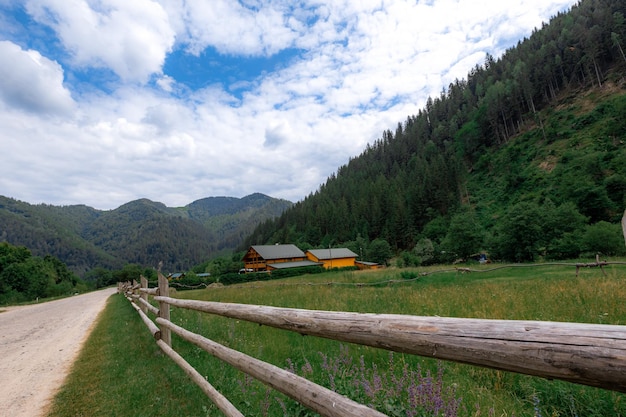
point(367, 265)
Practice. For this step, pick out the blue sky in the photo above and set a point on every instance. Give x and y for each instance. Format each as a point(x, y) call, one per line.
point(106, 101)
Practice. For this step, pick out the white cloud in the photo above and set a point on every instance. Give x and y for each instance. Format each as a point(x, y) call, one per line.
point(166, 83)
point(131, 38)
point(232, 27)
point(32, 82)
point(362, 68)
point(277, 134)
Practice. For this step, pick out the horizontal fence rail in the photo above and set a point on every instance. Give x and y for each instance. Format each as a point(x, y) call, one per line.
point(309, 394)
point(218, 399)
point(316, 397)
point(588, 354)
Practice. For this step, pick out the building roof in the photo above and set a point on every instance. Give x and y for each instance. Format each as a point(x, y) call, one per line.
point(296, 264)
point(333, 253)
point(269, 252)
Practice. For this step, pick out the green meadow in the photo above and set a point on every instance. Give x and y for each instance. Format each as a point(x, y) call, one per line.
point(122, 372)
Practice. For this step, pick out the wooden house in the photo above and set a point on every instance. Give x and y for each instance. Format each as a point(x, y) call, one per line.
point(260, 258)
point(333, 257)
point(177, 276)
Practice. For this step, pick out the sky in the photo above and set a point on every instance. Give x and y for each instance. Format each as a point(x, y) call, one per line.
point(103, 102)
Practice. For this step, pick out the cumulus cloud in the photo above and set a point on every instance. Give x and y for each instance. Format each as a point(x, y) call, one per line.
point(276, 135)
point(166, 83)
point(360, 68)
point(131, 38)
point(240, 28)
point(32, 82)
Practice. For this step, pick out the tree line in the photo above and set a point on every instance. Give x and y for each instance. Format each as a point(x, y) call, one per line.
point(24, 277)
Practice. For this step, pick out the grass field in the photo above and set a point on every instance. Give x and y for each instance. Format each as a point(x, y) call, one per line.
point(121, 371)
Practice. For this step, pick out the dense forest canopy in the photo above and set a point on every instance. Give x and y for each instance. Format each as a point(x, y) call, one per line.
point(140, 232)
point(26, 277)
point(524, 158)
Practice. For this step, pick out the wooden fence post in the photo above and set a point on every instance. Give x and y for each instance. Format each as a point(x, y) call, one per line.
point(164, 308)
point(144, 295)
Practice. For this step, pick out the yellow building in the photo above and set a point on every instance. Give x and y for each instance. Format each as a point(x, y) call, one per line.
point(332, 257)
point(367, 265)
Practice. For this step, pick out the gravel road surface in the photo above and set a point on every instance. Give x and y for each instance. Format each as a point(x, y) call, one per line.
point(38, 344)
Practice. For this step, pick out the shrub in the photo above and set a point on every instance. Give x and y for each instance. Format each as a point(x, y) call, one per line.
point(425, 251)
point(605, 238)
point(409, 274)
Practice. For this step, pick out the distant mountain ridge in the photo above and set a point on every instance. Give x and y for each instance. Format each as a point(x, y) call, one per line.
point(140, 231)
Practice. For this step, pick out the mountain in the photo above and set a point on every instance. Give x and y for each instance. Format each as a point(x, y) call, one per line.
point(142, 231)
point(524, 158)
point(233, 219)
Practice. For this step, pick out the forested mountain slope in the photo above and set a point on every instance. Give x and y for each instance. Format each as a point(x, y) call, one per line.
point(233, 219)
point(141, 231)
point(520, 159)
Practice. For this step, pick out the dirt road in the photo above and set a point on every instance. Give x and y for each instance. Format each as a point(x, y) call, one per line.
point(38, 344)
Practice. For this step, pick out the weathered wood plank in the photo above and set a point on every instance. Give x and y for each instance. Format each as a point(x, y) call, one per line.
point(218, 399)
point(164, 307)
point(150, 291)
point(586, 354)
point(149, 307)
point(315, 397)
point(154, 329)
point(143, 296)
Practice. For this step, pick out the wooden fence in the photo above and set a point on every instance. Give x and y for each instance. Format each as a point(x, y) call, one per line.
point(588, 354)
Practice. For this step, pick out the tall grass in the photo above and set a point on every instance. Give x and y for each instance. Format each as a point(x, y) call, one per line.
point(542, 293)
